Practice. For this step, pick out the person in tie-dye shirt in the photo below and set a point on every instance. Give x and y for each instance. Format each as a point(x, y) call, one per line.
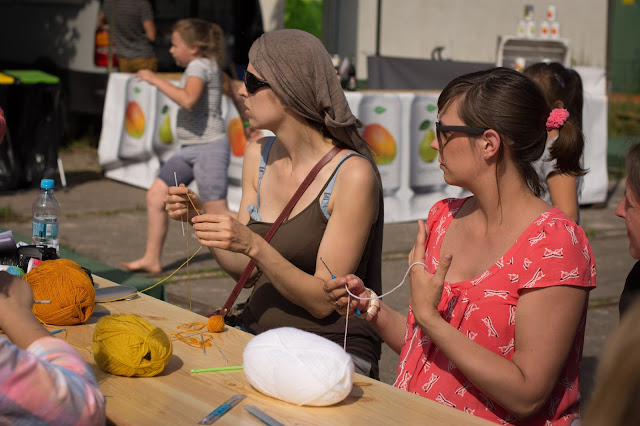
point(496, 319)
point(43, 380)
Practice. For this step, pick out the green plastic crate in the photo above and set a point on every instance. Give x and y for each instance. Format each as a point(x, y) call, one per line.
point(32, 76)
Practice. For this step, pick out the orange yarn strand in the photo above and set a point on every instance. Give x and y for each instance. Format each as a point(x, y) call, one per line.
point(193, 329)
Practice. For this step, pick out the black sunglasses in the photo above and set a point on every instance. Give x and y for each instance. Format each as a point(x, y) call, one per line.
point(469, 130)
point(253, 83)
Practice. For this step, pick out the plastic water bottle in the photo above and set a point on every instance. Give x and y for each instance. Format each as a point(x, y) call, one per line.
point(46, 211)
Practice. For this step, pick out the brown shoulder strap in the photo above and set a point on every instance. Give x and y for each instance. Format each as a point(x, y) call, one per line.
point(285, 212)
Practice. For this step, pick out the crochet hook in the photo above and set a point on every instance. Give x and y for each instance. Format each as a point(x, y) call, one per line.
point(333, 277)
point(214, 369)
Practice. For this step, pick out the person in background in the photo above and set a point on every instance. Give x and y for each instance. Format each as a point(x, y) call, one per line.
point(43, 380)
point(133, 32)
point(559, 169)
point(204, 150)
point(615, 399)
point(496, 318)
point(339, 218)
point(629, 210)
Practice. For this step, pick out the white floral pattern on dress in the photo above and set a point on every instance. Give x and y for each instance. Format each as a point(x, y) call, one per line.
point(552, 251)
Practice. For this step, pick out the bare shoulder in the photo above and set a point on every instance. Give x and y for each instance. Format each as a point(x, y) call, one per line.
point(253, 151)
point(251, 161)
point(358, 172)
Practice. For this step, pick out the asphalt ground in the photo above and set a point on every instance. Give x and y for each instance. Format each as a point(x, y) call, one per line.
point(103, 223)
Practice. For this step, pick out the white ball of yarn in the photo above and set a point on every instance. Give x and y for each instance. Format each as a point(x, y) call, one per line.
point(298, 367)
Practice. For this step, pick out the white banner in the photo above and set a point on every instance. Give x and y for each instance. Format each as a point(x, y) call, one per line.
point(139, 131)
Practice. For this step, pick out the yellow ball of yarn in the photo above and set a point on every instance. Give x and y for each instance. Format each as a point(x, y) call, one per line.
point(128, 345)
point(215, 324)
point(69, 289)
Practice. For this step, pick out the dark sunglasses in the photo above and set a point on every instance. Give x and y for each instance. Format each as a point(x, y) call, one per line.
point(468, 130)
point(253, 83)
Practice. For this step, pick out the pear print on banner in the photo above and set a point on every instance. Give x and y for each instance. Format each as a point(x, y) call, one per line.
point(165, 141)
point(424, 174)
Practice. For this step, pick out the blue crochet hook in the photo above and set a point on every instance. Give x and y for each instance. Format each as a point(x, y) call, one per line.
point(333, 277)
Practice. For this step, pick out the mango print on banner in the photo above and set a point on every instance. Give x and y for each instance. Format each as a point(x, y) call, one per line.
point(238, 144)
point(381, 116)
point(425, 175)
point(136, 141)
point(134, 120)
point(237, 139)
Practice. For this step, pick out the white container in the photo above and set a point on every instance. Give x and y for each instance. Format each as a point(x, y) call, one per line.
point(545, 29)
point(528, 12)
point(519, 63)
point(521, 29)
point(424, 172)
point(530, 31)
point(555, 30)
point(551, 13)
point(381, 115)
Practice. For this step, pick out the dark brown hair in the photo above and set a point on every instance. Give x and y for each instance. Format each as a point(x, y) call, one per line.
point(563, 84)
point(633, 167)
point(504, 100)
point(206, 36)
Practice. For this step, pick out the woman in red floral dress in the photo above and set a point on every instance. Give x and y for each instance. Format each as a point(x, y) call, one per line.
point(496, 319)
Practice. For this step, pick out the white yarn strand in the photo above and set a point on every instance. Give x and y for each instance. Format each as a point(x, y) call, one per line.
point(346, 324)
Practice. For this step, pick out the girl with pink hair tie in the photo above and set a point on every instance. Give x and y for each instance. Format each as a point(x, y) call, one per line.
point(559, 169)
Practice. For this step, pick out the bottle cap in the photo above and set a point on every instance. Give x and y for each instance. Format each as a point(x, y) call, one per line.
point(46, 184)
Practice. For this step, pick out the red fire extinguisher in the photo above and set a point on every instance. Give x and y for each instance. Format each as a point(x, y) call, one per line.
point(101, 49)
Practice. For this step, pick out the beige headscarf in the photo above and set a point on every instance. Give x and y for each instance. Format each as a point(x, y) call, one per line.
point(300, 72)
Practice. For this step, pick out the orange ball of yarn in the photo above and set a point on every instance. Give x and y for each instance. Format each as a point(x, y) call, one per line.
point(215, 324)
point(69, 289)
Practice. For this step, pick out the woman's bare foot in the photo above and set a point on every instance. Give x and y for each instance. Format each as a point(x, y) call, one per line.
point(141, 265)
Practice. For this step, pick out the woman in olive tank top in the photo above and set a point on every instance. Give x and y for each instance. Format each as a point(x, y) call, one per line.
point(291, 89)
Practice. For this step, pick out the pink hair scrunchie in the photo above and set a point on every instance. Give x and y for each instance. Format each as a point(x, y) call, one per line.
point(557, 118)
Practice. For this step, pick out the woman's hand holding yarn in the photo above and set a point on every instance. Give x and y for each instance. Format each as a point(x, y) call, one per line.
point(337, 295)
point(426, 288)
point(182, 204)
point(223, 232)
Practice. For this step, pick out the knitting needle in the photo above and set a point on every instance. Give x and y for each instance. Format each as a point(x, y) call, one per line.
point(333, 277)
point(175, 176)
point(45, 302)
point(214, 369)
point(218, 348)
point(204, 351)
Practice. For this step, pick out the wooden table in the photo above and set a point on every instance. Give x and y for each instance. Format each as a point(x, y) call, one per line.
point(178, 397)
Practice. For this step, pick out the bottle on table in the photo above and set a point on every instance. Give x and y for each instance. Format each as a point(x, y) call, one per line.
point(46, 211)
